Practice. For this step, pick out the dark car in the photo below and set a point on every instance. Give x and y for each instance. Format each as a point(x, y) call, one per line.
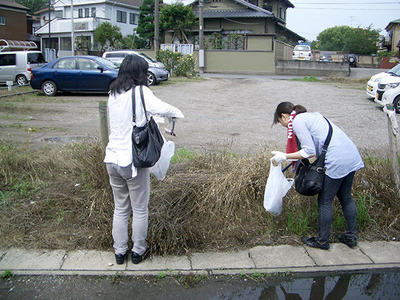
point(325, 58)
point(74, 73)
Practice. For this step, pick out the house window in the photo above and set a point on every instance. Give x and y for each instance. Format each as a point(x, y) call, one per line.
point(282, 13)
point(80, 13)
point(65, 43)
point(132, 18)
point(93, 12)
point(121, 16)
point(2, 20)
point(59, 13)
point(86, 12)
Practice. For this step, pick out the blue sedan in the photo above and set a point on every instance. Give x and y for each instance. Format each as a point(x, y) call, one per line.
point(74, 73)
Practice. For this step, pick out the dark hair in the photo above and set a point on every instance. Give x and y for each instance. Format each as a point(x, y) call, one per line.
point(132, 72)
point(287, 108)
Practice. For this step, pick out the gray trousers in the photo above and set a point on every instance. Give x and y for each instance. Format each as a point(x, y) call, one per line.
point(129, 194)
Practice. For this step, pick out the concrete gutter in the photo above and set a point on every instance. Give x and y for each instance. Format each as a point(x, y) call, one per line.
point(261, 259)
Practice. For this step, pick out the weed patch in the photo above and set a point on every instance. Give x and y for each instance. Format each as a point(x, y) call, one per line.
point(61, 199)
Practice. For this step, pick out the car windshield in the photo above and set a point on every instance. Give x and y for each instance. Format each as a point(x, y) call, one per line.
point(107, 63)
point(302, 48)
point(395, 70)
point(148, 57)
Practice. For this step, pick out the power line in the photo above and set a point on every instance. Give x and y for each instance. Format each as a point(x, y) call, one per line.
point(347, 3)
point(352, 9)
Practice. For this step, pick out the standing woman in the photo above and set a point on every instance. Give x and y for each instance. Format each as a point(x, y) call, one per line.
point(341, 162)
point(130, 185)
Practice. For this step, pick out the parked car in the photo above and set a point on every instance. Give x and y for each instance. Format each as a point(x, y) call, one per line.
point(16, 65)
point(385, 85)
point(372, 84)
point(157, 71)
point(392, 96)
point(325, 58)
point(302, 51)
point(74, 73)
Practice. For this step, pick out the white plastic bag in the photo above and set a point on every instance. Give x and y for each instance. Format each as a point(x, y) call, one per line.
point(276, 188)
point(159, 170)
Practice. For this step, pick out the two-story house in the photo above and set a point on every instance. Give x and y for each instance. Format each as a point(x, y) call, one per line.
point(87, 16)
point(241, 36)
point(13, 22)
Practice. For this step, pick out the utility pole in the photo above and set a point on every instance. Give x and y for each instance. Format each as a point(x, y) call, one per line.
point(201, 37)
point(49, 25)
point(72, 28)
point(156, 28)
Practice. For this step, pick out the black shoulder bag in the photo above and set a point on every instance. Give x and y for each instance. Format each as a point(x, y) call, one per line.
point(309, 178)
point(147, 140)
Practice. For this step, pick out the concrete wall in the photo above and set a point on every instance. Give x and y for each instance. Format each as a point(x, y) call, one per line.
point(311, 68)
point(240, 62)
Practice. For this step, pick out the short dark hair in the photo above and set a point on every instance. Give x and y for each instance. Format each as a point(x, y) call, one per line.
point(287, 108)
point(132, 71)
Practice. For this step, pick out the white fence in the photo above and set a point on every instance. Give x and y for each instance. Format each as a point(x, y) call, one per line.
point(181, 48)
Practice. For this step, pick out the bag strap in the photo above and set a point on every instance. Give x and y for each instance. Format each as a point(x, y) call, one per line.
point(134, 103)
point(328, 138)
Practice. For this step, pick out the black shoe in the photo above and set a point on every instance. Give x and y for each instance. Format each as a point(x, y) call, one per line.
point(313, 242)
point(345, 240)
point(136, 258)
point(120, 258)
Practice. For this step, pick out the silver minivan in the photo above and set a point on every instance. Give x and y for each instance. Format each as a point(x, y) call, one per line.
point(16, 65)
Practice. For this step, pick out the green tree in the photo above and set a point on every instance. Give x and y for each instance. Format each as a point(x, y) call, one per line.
point(33, 5)
point(179, 18)
point(348, 39)
point(107, 35)
point(145, 28)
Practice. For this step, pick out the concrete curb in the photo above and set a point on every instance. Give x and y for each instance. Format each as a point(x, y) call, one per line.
point(17, 94)
point(260, 259)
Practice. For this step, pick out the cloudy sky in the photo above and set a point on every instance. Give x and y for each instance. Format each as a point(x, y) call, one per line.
point(310, 17)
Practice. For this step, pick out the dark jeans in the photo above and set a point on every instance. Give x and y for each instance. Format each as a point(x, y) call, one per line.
point(342, 189)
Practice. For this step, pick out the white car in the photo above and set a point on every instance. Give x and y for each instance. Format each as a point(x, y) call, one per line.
point(386, 86)
point(392, 96)
point(302, 52)
point(157, 71)
point(372, 84)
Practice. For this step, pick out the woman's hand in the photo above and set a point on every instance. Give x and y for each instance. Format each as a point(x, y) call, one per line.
point(278, 156)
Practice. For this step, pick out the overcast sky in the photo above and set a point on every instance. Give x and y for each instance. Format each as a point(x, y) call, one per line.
point(310, 17)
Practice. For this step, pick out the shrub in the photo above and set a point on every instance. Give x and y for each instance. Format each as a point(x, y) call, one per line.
point(177, 64)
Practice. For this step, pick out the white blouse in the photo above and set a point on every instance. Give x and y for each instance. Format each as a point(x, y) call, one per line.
point(119, 147)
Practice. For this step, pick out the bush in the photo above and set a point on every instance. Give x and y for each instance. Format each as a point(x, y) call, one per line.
point(177, 64)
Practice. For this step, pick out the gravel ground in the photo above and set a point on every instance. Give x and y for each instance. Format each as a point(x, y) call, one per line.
point(218, 112)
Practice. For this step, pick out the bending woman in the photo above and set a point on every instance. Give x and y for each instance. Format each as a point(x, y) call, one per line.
point(130, 185)
point(342, 161)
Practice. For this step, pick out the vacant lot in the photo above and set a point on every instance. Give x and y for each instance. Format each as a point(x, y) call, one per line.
point(217, 112)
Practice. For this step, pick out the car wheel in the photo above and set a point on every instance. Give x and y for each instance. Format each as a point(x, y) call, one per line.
point(49, 88)
point(21, 80)
point(396, 104)
point(151, 79)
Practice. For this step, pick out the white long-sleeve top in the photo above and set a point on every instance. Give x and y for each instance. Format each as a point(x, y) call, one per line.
point(119, 147)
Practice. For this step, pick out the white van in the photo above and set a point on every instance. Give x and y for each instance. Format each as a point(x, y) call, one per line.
point(302, 51)
point(16, 65)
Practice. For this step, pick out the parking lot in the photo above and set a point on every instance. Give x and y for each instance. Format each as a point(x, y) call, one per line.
point(219, 112)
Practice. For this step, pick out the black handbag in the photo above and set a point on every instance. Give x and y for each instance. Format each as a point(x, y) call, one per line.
point(309, 178)
point(146, 140)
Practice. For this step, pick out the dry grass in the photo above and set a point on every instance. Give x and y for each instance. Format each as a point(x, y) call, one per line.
point(61, 199)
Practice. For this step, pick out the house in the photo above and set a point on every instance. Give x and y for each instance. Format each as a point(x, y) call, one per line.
point(242, 36)
point(393, 30)
point(13, 21)
point(87, 16)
